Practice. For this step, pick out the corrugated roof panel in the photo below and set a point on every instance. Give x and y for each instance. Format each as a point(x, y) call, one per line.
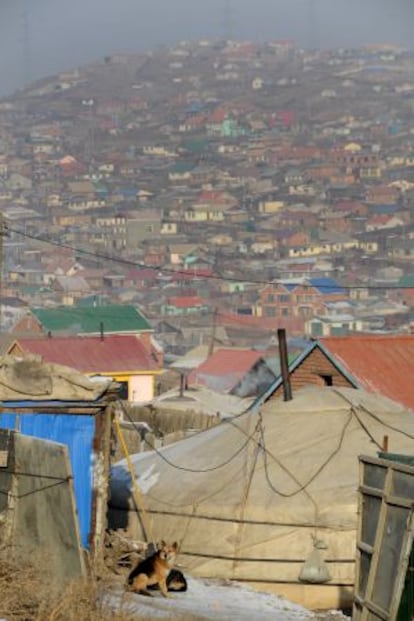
point(229, 365)
point(91, 354)
point(115, 318)
point(326, 285)
point(379, 363)
point(77, 432)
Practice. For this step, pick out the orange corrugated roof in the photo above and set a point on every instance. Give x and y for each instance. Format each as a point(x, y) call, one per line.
point(378, 363)
point(188, 301)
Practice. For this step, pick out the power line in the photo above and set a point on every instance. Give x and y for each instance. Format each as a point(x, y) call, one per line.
point(187, 273)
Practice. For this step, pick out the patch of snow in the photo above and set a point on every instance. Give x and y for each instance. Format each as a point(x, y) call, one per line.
point(145, 480)
point(213, 600)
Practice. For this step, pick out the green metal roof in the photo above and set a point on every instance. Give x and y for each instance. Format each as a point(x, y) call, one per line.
point(182, 167)
point(197, 145)
point(116, 318)
point(406, 281)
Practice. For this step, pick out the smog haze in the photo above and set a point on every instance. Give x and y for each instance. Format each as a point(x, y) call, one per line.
point(42, 37)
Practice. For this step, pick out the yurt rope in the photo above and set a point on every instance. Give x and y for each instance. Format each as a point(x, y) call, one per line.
point(365, 429)
point(375, 417)
point(246, 491)
point(302, 486)
point(387, 425)
point(136, 492)
point(198, 470)
point(260, 447)
point(187, 525)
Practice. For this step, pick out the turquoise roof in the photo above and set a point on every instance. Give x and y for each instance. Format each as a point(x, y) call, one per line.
point(116, 319)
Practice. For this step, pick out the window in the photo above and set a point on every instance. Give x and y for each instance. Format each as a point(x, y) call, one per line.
point(327, 380)
point(123, 393)
point(270, 297)
point(283, 298)
point(285, 312)
point(270, 311)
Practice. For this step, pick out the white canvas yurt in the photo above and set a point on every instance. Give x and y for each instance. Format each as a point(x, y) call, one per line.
point(269, 497)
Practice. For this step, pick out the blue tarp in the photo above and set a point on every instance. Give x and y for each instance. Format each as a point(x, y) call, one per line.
point(77, 432)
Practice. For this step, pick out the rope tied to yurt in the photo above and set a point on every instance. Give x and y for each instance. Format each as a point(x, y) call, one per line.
point(302, 487)
point(189, 519)
point(246, 491)
point(136, 492)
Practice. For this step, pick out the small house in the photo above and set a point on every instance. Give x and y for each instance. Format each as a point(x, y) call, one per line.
point(61, 405)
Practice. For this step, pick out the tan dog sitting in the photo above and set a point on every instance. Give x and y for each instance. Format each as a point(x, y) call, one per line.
point(154, 570)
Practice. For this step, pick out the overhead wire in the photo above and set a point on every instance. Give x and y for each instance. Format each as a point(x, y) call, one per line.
point(187, 272)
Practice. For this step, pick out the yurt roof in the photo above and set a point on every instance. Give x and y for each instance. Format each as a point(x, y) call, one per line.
point(289, 450)
point(246, 497)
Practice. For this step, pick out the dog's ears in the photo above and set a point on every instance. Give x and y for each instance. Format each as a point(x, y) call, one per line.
point(162, 544)
point(175, 545)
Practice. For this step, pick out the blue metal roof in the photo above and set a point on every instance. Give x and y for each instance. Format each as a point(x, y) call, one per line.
point(326, 285)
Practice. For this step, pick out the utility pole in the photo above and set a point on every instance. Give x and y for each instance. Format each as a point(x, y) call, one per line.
point(213, 332)
point(3, 233)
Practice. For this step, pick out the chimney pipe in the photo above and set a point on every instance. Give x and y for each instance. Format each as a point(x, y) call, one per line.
point(182, 384)
point(284, 364)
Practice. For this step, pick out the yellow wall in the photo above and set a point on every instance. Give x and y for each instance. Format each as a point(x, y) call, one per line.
point(271, 206)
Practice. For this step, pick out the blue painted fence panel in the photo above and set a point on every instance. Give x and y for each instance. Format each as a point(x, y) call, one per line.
point(77, 433)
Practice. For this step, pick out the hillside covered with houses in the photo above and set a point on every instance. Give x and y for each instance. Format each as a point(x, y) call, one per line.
point(207, 306)
point(223, 190)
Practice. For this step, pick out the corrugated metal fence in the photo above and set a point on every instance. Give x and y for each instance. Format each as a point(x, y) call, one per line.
point(77, 432)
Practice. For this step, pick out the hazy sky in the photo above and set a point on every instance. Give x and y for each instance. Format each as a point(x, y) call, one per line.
point(65, 33)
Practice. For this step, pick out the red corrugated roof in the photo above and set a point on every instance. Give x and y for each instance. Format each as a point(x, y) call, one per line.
point(379, 363)
point(225, 363)
point(190, 274)
point(293, 325)
point(112, 354)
